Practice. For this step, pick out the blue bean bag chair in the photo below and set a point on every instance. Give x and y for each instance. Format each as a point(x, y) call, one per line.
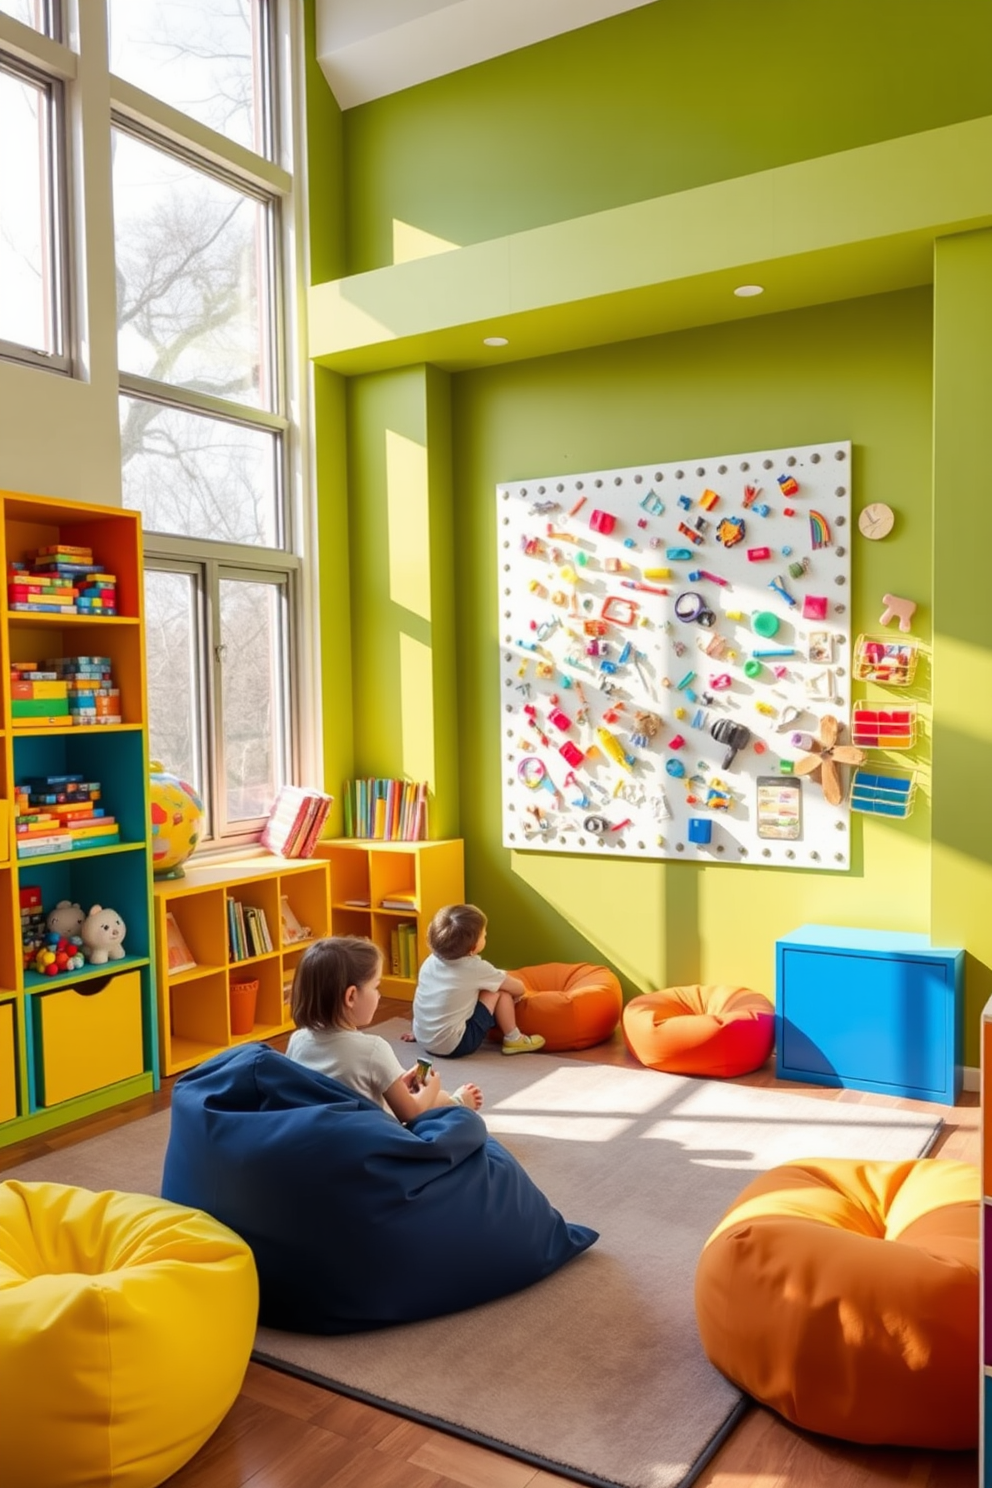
point(355, 1221)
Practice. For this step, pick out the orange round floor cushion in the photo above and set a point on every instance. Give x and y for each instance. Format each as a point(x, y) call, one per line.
point(572, 1005)
point(717, 1031)
point(844, 1295)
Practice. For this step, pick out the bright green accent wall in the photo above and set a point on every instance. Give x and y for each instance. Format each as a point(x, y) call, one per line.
point(962, 651)
point(401, 563)
point(325, 173)
point(855, 223)
point(658, 100)
point(861, 370)
point(333, 594)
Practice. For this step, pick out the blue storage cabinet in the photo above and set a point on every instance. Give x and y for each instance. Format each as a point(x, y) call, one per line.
point(869, 1010)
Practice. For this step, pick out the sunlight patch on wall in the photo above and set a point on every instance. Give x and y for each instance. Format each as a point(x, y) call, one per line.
point(411, 242)
point(408, 517)
point(965, 674)
point(416, 710)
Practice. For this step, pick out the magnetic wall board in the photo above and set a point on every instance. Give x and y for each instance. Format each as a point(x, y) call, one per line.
point(671, 638)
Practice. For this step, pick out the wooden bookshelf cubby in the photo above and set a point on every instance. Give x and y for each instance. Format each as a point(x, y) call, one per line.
point(79, 1042)
point(194, 1005)
point(364, 873)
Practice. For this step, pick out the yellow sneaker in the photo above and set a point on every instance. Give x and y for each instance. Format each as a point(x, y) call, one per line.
point(527, 1043)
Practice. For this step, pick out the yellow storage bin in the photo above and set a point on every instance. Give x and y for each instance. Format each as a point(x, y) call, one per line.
point(8, 1064)
point(89, 1039)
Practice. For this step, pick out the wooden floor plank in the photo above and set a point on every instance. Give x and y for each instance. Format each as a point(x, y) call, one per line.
point(284, 1432)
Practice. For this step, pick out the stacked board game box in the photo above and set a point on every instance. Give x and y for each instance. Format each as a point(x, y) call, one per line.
point(89, 683)
point(39, 698)
point(61, 579)
point(64, 689)
point(33, 928)
point(60, 814)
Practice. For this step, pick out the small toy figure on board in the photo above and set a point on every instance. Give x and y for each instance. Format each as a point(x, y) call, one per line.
point(102, 935)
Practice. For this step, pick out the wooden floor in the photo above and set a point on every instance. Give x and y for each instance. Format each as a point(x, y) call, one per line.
point(285, 1433)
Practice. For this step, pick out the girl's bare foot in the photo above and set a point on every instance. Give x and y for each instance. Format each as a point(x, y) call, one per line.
point(469, 1095)
point(407, 1038)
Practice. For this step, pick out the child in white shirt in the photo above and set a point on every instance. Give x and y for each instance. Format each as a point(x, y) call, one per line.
point(460, 997)
point(335, 995)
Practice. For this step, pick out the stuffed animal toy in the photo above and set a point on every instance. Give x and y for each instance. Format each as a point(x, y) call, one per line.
point(65, 919)
point(102, 935)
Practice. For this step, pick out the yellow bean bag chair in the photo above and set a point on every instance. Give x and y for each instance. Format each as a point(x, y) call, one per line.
point(844, 1295)
point(713, 1031)
point(572, 1005)
point(126, 1324)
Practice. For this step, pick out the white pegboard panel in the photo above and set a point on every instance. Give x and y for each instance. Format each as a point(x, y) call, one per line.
point(705, 601)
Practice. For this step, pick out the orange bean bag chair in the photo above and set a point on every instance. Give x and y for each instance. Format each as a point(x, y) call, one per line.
point(716, 1031)
point(844, 1295)
point(572, 1005)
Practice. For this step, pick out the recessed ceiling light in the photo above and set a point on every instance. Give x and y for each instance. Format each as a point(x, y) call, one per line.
point(495, 341)
point(745, 291)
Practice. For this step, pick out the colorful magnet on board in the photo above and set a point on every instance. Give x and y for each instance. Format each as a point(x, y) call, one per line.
point(815, 607)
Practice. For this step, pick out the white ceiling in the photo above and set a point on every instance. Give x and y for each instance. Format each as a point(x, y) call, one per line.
point(368, 48)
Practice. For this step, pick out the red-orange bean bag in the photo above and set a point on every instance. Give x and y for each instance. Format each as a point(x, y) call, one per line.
point(572, 1005)
point(844, 1295)
point(717, 1031)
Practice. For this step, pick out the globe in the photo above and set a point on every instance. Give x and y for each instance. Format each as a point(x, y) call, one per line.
point(177, 822)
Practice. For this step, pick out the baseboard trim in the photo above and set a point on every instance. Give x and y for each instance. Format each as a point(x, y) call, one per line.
point(972, 1078)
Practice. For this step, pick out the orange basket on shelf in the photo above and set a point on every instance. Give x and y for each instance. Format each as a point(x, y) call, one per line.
point(243, 997)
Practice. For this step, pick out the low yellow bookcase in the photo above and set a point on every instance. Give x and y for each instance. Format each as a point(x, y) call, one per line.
point(390, 891)
point(224, 925)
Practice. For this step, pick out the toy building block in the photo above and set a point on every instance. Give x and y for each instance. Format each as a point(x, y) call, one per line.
point(902, 610)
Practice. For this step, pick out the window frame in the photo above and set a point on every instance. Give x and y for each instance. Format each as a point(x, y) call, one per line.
point(160, 126)
point(34, 58)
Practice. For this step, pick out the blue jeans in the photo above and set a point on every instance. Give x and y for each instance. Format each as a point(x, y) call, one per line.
point(476, 1029)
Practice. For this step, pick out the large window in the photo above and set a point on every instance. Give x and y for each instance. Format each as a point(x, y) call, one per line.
point(205, 435)
point(32, 213)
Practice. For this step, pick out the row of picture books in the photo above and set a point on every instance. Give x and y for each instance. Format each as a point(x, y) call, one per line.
point(246, 924)
point(403, 951)
point(296, 821)
point(247, 930)
point(386, 810)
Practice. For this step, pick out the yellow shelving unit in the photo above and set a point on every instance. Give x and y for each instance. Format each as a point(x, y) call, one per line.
point(194, 1016)
point(364, 873)
point(83, 1041)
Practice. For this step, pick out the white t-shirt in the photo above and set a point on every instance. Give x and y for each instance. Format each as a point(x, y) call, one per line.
point(362, 1060)
point(445, 999)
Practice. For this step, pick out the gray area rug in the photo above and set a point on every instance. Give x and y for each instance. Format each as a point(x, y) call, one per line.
point(595, 1373)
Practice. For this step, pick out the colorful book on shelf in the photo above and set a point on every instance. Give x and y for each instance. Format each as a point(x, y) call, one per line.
point(292, 930)
point(295, 821)
point(180, 957)
point(401, 899)
point(385, 810)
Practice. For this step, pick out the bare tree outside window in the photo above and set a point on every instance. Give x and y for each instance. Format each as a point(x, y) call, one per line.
point(202, 423)
point(204, 57)
point(33, 13)
point(171, 624)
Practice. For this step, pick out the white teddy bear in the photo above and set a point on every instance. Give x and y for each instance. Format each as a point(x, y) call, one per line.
point(102, 934)
point(65, 919)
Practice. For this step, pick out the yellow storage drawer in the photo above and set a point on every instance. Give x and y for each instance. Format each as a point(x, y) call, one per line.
point(8, 1063)
point(89, 1039)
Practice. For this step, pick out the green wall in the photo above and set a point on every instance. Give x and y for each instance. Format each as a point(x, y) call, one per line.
point(657, 100)
point(859, 371)
point(653, 102)
point(962, 649)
